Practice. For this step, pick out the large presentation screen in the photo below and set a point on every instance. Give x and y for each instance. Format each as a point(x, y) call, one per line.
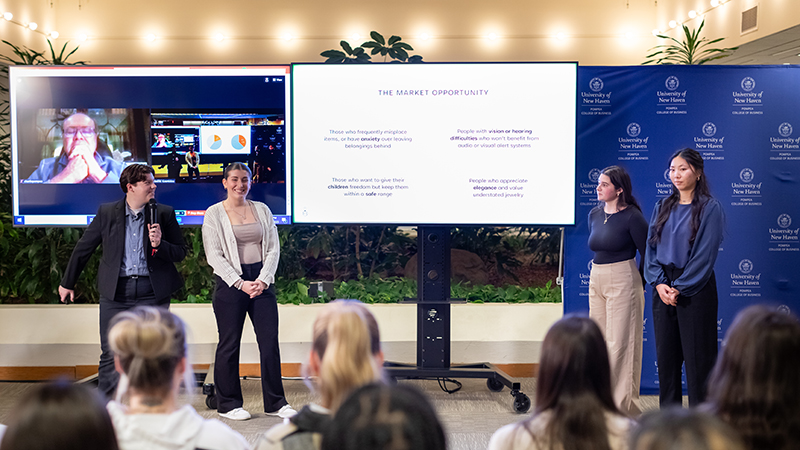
point(470, 144)
point(74, 129)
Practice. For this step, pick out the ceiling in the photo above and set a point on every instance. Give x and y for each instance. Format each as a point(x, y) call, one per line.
point(779, 48)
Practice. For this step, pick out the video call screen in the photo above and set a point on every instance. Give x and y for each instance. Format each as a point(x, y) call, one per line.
point(75, 128)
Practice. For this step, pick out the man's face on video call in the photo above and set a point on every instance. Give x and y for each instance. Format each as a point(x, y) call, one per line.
point(80, 135)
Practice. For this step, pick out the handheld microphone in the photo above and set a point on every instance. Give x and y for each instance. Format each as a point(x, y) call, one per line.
point(153, 212)
point(153, 218)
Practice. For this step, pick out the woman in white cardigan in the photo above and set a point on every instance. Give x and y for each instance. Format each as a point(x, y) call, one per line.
point(241, 245)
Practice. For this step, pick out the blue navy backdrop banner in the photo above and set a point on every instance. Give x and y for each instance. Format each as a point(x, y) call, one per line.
point(745, 121)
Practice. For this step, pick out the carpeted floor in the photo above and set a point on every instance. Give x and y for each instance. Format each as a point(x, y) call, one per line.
point(469, 416)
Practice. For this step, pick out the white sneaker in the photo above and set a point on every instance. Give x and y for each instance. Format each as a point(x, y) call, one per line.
point(284, 413)
point(236, 414)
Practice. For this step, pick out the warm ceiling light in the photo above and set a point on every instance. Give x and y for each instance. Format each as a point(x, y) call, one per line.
point(673, 23)
point(491, 36)
point(219, 37)
point(150, 37)
point(33, 25)
point(628, 35)
point(692, 14)
point(54, 34)
point(561, 36)
point(424, 36)
point(287, 37)
point(8, 16)
point(355, 36)
point(83, 37)
point(714, 3)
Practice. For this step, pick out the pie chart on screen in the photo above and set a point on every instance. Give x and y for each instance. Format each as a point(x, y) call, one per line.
point(214, 142)
point(238, 142)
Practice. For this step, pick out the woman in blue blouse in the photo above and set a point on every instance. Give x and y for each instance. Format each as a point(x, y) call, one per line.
point(682, 243)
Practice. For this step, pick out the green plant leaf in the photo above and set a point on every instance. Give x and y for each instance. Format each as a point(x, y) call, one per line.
point(377, 37)
point(332, 54)
point(346, 46)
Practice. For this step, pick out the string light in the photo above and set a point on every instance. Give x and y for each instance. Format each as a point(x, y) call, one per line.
point(32, 26)
point(219, 37)
point(694, 13)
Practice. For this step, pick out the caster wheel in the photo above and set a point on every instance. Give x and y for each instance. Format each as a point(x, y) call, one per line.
point(211, 402)
point(494, 385)
point(522, 403)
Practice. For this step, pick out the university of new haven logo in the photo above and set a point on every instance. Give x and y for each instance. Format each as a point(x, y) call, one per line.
point(785, 129)
point(746, 175)
point(634, 129)
point(745, 266)
point(784, 309)
point(596, 84)
point(672, 83)
point(666, 176)
point(748, 84)
point(784, 220)
point(594, 175)
point(709, 129)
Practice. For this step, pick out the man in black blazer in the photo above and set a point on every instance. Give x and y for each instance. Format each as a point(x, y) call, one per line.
point(138, 262)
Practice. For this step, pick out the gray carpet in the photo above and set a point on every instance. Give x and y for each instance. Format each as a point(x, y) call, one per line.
point(469, 416)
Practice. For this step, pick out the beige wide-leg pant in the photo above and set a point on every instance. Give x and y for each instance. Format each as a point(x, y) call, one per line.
point(616, 303)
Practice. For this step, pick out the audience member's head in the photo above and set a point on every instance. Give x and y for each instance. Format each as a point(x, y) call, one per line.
point(345, 352)
point(755, 385)
point(574, 386)
point(383, 417)
point(60, 415)
point(149, 347)
point(574, 366)
point(683, 429)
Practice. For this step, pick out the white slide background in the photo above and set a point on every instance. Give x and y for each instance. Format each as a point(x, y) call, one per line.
point(435, 143)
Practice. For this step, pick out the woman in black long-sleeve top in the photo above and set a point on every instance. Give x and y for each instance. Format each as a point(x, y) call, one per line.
point(617, 229)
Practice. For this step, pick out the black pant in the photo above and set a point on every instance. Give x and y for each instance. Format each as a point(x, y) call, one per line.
point(131, 292)
point(194, 172)
point(230, 308)
point(685, 333)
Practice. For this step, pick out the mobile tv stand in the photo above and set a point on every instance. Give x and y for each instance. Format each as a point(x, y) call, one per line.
point(433, 323)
